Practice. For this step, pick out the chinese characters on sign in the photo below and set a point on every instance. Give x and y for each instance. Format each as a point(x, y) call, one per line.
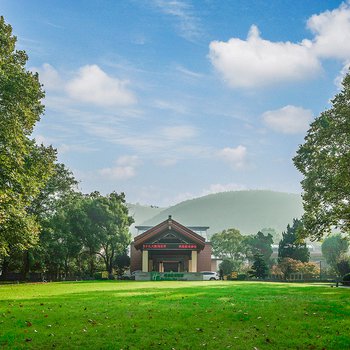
point(154, 246)
point(170, 246)
point(187, 246)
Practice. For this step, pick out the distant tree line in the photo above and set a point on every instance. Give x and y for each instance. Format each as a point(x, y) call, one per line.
point(251, 255)
point(46, 226)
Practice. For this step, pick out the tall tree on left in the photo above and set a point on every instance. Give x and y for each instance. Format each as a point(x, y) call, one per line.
point(24, 166)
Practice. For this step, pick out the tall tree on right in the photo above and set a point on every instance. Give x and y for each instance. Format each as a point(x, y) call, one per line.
point(324, 161)
point(291, 245)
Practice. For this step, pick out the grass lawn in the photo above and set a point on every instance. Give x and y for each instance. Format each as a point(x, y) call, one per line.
point(174, 315)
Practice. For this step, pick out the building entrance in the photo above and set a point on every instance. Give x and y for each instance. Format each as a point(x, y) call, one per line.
point(171, 266)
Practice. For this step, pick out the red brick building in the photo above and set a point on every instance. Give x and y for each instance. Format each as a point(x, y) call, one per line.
point(170, 247)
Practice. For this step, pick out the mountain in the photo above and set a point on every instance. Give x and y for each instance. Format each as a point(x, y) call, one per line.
point(141, 213)
point(248, 211)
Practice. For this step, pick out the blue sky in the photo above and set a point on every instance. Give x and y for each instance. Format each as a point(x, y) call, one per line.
point(170, 100)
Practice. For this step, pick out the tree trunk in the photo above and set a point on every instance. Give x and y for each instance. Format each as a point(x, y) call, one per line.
point(26, 266)
point(92, 264)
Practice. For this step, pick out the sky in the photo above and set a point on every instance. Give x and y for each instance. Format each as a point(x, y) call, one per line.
point(172, 100)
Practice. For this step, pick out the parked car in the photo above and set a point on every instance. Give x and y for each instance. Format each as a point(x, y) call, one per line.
point(210, 275)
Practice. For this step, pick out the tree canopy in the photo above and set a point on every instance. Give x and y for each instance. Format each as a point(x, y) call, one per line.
point(291, 246)
point(228, 244)
point(24, 166)
point(260, 244)
point(324, 161)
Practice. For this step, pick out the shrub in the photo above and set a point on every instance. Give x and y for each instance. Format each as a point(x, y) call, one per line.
point(241, 277)
point(346, 279)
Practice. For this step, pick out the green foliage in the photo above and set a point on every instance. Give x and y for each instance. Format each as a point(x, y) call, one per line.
point(88, 226)
point(333, 249)
point(25, 167)
point(259, 244)
point(324, 162)
point(259, 268)
point(346, 278)
point(343, 266)
point(227, 266)
point(121, 263)
point(228, 244)
point(291, 246)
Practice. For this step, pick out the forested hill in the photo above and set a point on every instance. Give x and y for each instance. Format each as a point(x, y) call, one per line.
point(248, 211)
point(141, 213)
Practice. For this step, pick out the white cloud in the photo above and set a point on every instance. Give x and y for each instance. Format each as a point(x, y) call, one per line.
point(118, 172)
point(288, 120)
point(76, 148)
point(125, 168)
point(188, 72)
point(93, 85)
point(188, 25)
point(129, 161)
point(236, 157)
point(258, 62)
point(339, 79)
point(49, 77)
point(332, 32)
point(217, 188)
point(180, 132)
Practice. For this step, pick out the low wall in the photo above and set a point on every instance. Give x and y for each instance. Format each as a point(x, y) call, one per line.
point(168, 276)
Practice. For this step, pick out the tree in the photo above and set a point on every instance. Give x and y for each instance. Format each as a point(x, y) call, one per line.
point(324, 161)
point(121, 263)
point(307, 269)
point(288, 266)
point(59, 187)
point(112, 223)
point(24, 166)
point(228, 244)
point(260, 244)
point(333, 249)
point(343, 266)
point(259, 268)
point(227, 266)
point(291, 246)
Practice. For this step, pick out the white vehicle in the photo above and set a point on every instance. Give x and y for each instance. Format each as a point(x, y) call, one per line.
point(210, 275)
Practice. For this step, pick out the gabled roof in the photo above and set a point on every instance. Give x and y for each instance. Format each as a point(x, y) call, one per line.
point(167, 225)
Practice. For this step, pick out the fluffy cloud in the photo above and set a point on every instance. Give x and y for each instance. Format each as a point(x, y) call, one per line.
point(49, 77)
point(125, 168)
point(93, 85)
point(236, 157)
point(288, 120)
point(257, 62)
point(332, 32)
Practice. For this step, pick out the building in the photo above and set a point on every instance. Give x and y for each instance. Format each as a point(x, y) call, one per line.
point(170, 247)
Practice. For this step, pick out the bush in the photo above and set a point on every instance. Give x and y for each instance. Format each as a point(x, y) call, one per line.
point(346, 280)
point(102, 275)
point(242, 277)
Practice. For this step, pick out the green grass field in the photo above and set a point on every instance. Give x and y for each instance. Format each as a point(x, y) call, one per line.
point(174, 315)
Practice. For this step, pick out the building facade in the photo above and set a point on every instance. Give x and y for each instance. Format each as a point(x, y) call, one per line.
point(170, 247)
